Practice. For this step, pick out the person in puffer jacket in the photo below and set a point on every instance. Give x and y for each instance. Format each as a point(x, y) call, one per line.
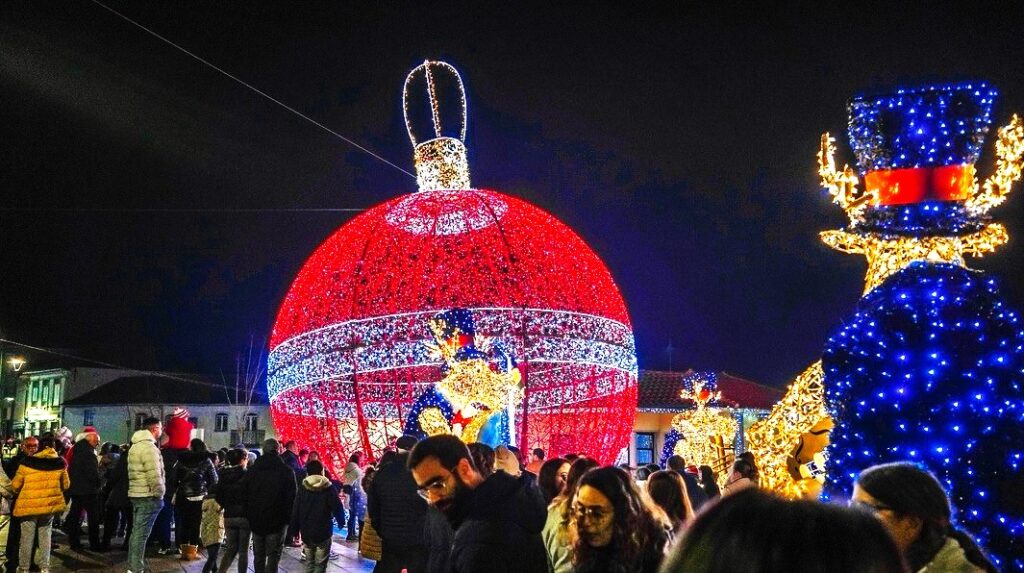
point(232, 499)
point(40, 484)
point(315, 504)
point(145, 489)
point(194, 475)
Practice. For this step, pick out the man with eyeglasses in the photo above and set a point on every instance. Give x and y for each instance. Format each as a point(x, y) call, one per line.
point(497, 521)
point(29, 447)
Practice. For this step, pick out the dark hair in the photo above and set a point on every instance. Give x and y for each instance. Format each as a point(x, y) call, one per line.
point(314, 468)
point(756, 531)
point(46, 441)
point(105, 448)
point(355, 457)
point(539, 453)
point(668, 490)
point(910, 490)
point(638, 534)
point(572, 457)
point(709, 482)
point(642, 473)
point(150, 422)
point(303, 452)
point(289, 444)
point(270, 446)
point(676, 462)
point(546, 478)
point(577, 470)
point(388, 457)
point(751, 461)
point(743, 467)
point(197, 445)
point(448, 450)
point(235, 456)
point(483, 458)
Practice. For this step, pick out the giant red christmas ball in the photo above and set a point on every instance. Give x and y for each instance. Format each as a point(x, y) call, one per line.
point(347, 352)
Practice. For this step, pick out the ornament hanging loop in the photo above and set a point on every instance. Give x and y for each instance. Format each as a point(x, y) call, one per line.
point(441, 162)
point(430, 69)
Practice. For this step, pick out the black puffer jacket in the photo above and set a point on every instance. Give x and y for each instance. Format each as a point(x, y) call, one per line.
point(315, 504)
point(84, 470)
point(117, 483)
point(501, 532)
point(170, 457)
point(194, 474)
point(396, 510)
point(269, 491)
point(228, 495)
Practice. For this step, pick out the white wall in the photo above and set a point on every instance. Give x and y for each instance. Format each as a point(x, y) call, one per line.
point(117, 423)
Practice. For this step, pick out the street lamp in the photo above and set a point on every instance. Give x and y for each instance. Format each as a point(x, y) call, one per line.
point(7, 409)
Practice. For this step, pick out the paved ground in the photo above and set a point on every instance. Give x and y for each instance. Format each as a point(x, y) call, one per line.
point(64, 560)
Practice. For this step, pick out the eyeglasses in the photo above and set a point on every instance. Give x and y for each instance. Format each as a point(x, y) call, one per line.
point(30, 446)
point(582, 512)
point(436, 487)
point(875, 508)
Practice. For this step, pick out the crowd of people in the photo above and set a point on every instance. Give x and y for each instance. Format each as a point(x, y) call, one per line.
point(164, 483)
point(439, 505)
point(442, 506)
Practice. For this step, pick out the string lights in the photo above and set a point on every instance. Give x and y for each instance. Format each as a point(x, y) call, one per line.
point(706, 433)
point(348, 356)
point(777, 441)
point(929, 366)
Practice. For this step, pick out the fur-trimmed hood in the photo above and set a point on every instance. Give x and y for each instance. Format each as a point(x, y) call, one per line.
point(46, 460)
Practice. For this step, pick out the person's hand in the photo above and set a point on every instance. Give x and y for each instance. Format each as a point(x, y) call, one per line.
point(506, 461)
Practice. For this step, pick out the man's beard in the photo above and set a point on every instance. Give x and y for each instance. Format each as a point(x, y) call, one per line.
point(456, 507)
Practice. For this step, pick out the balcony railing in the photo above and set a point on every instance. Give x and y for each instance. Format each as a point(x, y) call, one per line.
point(250, 438)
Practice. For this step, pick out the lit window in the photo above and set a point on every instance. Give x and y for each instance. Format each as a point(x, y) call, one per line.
point(644, 448)
point(220, 422)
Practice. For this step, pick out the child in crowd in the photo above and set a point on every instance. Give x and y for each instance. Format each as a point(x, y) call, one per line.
point(315, 504)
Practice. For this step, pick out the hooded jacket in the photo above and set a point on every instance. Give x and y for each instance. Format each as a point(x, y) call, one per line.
point(40, 484)
point(501, 528)
point(269, 491)
point(194, 474)
point(397, 512)
point(228, 496)
point(83, 469)
point(145, 467)
point(315, 504)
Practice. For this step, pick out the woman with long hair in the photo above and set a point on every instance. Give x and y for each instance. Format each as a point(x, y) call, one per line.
point(668, 490)
point(352, 484)
point(709, 481)
point(552, 476)
point(912, 505)
point(194, 475)
point(742, 476)
point(558, 529)
point(754, 530)
point(617, 532)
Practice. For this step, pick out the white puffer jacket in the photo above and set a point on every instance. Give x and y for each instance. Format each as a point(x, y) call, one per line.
point(145, 467)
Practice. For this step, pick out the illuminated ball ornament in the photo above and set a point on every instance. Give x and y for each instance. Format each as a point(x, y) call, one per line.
point(930, 367)
point(348, 357)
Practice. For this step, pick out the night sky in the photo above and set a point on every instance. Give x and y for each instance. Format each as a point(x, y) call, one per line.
point(154, 211)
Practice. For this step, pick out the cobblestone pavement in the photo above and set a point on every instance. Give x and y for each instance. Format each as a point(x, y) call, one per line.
point(63, 560)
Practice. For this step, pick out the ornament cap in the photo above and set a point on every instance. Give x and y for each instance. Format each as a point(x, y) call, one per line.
point(440, 159)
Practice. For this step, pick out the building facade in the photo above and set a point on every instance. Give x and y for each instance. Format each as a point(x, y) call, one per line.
point(659, 402)
point(118, 408)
